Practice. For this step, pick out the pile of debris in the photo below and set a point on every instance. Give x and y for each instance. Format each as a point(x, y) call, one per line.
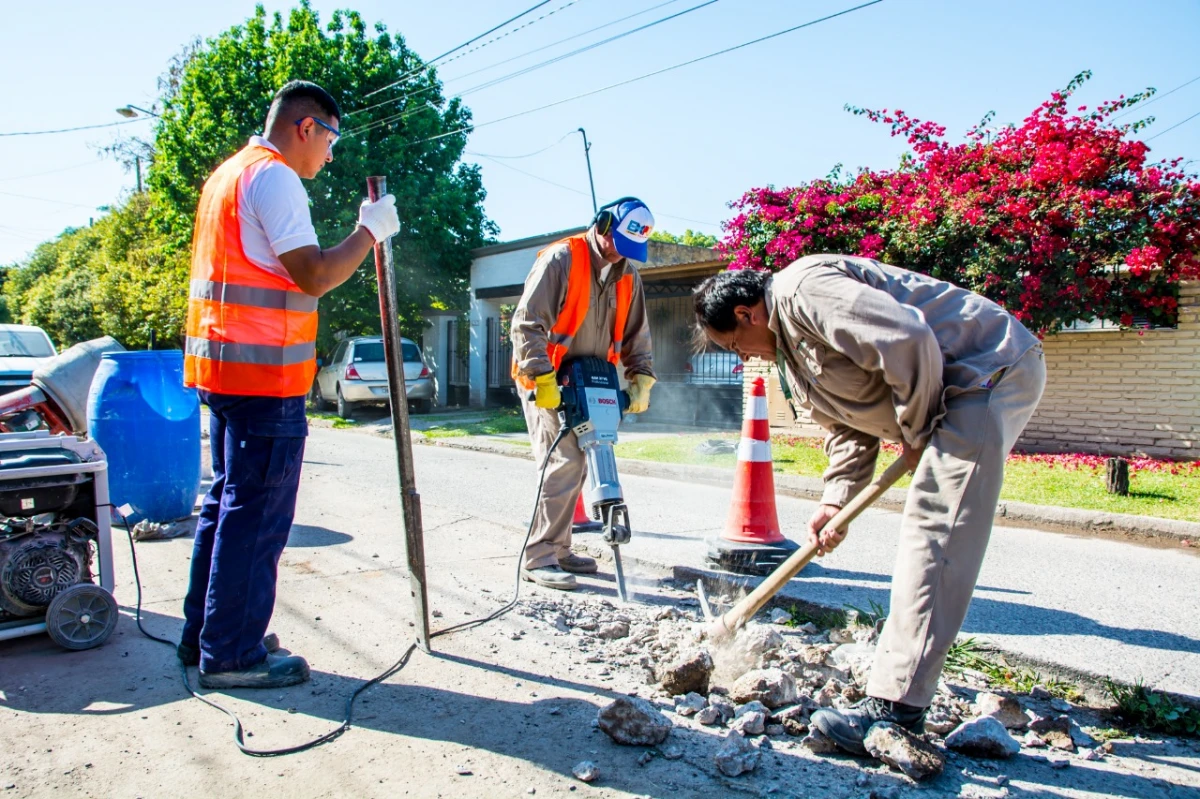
point(767, 681)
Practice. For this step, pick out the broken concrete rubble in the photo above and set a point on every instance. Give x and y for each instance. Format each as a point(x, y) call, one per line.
point(737, 755)
point(689, 674)
point(634, 722)
point(983, 737)
point(587, 771)
point(690, 704)
point(900, 749)
point(1004, 709)
point(773, 687)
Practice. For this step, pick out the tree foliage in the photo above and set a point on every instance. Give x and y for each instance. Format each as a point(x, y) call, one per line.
point(690, 238)
point(128, 274)
point(1058, 219)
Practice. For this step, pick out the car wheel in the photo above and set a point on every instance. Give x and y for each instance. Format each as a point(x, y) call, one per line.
point(422, 406)
point(343, 407)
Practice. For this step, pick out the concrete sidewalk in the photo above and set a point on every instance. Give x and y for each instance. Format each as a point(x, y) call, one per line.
point(1086, 606)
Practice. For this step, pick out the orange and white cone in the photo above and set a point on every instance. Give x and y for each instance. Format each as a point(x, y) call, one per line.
point(582, 523)
point(752, 541)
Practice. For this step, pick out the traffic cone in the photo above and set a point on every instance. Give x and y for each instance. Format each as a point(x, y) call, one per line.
point(752, 542)
point(582, 523)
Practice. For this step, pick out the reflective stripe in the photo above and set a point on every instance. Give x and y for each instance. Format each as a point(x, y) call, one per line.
point(273, 299)
point(259, 354)
point(756, 408)
point(751, 451)
point(562, 339)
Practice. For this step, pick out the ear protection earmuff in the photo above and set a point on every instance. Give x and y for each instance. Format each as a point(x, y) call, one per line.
point(605, 218)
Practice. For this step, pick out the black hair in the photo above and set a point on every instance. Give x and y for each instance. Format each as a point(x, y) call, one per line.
point(717, 296)
point(301, 98)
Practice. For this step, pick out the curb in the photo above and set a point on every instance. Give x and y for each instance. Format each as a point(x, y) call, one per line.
point(1014, 514)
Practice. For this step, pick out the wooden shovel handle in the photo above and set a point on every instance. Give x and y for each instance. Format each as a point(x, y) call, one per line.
point(729, 622)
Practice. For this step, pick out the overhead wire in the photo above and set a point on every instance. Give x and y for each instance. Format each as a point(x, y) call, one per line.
point(562, 139)
point(51, 171)
point(1176, 125)
point(628, 81)
point(508, 33)
point(1140, 106)
point(561, 41)
point(72, 130)
point(452, 50)
point(526, 70)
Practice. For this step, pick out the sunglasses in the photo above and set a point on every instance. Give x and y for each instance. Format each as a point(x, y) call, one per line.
point(337, 134)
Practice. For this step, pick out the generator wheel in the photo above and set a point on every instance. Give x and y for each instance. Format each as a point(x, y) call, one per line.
point(81, 617)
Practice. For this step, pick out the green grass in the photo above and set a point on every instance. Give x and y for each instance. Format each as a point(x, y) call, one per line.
point(1151, 710)
point(822, 618)
point(338, 422)
point(969, 654)
point(509, 420)
point(1161, 494)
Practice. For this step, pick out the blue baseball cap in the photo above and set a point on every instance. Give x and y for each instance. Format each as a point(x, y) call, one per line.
point(632, 224)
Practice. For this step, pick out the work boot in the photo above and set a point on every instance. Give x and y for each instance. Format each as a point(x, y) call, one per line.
point(848, 728)
point(190, 655)
point(577, 564)
point(550, 577)
point(274, 672)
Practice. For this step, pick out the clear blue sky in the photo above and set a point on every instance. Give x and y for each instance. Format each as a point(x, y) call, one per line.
point(687, 142)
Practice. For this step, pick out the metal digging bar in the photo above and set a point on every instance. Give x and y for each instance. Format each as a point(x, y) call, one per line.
point(410, 500)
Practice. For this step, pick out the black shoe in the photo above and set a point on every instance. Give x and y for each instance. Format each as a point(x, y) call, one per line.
point(190, 655)
point(274, 672)
point(848, 728)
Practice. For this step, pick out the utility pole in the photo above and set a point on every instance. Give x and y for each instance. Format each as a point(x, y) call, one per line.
point(587, 154)
point(137, 163)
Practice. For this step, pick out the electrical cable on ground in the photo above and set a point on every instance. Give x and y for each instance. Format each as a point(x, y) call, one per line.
point(467, 43)
point(475, 126)
point(348, 717)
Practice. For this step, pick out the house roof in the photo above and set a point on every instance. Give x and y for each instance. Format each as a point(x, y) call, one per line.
point(664, 257)
point(521, 244)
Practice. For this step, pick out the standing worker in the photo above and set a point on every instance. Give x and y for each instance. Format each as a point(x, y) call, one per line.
point(581, 298)
point(876, 352)
point(257, 271)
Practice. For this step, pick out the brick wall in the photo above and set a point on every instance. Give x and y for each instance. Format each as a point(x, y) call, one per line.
point(1107, 392)
point(1117, 392)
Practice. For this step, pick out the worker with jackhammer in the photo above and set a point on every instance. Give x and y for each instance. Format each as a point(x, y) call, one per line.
point(257, 271)
point(876, 352)
point(582, 298)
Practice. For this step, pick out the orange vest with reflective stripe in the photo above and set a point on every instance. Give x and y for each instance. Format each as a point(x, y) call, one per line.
point(575, 308)
point(249, 331)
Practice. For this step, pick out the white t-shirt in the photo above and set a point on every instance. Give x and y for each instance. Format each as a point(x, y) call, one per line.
point(274, 213)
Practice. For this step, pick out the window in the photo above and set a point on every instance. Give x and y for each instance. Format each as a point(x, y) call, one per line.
point(339, 352)
point(25, 344)
point(368, 351)
point(411, 353)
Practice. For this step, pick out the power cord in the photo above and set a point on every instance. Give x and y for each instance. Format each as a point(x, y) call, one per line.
point(389, 672)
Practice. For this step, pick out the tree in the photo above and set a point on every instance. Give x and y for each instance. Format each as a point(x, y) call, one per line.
point(409, 132)
point(1058, 219)
point(690, 238)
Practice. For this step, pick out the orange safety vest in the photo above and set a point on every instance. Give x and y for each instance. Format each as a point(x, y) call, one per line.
point(249, 331)
point(575, 308)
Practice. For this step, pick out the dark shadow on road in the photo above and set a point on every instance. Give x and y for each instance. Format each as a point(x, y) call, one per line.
point(303, 535)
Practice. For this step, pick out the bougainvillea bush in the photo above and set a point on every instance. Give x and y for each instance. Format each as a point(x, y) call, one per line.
point(1061, 218)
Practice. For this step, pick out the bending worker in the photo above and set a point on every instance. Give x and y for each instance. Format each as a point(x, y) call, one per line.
point(581, 298)
point(876, 352)
point(257, 271)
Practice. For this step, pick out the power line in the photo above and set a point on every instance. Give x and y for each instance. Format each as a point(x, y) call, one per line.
point(1139, 106)
point(580, 50)
point(510, 32)
point(467, 43)
point(468, 128)
point(1177, 124)
point(526, 70)
point(47, 200)
point(561, 41)
point(72, 130)
point(51, 171)
point(491, 156)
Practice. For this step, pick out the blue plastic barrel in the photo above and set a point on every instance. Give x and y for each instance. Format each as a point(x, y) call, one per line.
point(148, 425)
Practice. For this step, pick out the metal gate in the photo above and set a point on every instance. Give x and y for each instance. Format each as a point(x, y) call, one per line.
point(458, 349)
point(499, 365)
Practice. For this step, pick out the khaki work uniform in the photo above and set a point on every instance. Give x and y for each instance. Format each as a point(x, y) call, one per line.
point(545, 293)
point(877, 352)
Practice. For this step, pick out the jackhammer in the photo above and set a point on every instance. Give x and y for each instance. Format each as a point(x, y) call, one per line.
point(593, 405)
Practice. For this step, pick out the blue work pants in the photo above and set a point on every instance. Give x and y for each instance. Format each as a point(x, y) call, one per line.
point(257, 449)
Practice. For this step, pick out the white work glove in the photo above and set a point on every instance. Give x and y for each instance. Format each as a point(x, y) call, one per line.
point(379, 217)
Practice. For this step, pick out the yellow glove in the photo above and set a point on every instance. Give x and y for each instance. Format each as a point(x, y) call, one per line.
point(546, 393)
point(639, 393)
